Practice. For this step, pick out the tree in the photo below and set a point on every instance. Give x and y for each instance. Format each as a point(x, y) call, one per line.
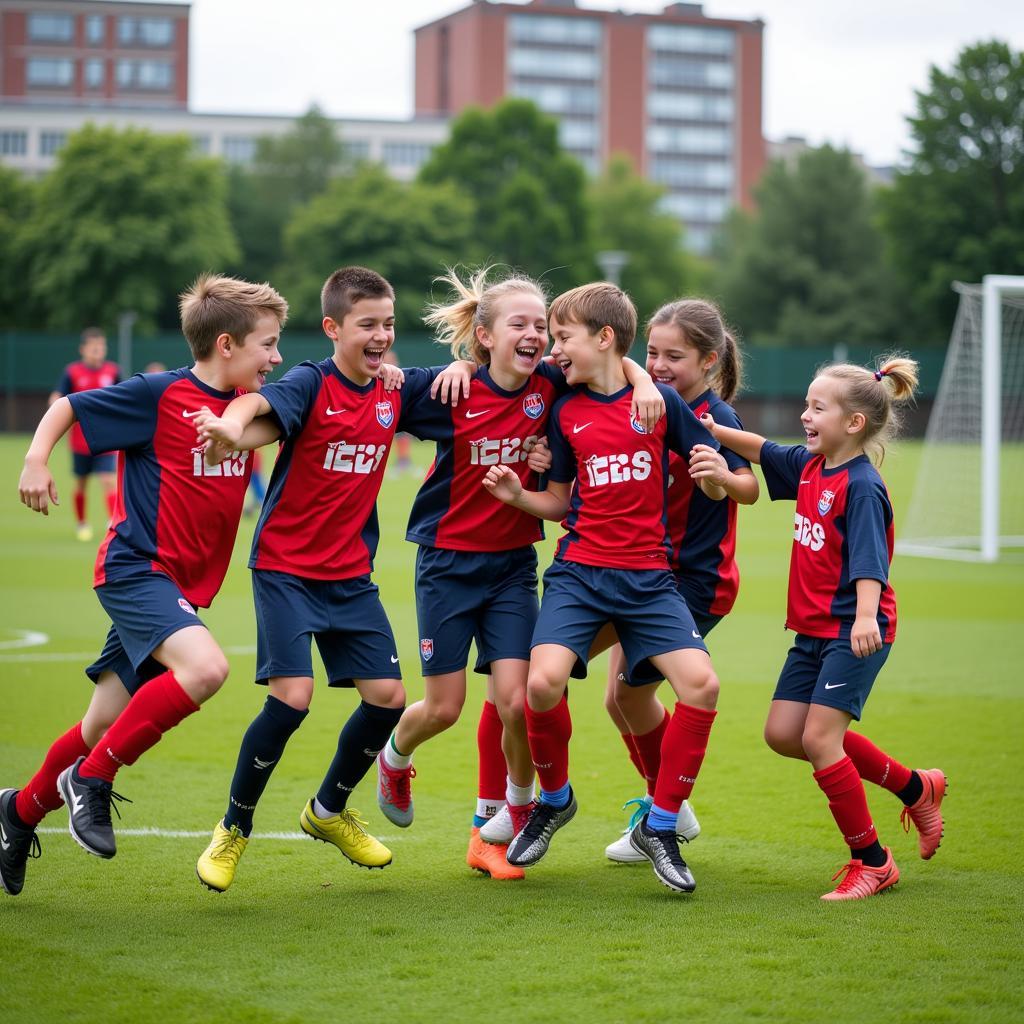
point(527, 191)
point(626, 216)
point(408, 233)
point(805, 268)
point(124, 222)
point(16, 209)
point(957, 211)
point(287, 170)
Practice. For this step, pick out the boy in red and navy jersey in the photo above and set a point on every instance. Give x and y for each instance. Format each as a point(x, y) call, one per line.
point(93, 370)
point(843, 609)
point(312, 555)
point(165, 555)
point(612, 565)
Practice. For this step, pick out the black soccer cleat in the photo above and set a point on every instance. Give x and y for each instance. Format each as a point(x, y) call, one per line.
point(662, 850)
point(528, 846)
point(89, 802)
point(17, 844)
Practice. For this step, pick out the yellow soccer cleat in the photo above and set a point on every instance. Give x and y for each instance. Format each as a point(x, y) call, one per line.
point(347, 831)
point(216, 867)
point(83, 532)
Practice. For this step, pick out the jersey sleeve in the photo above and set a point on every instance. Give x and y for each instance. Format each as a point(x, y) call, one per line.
point(422, 416)
point(725, 416)
point(292, 397)
point(119, 417)
point(64, 385)
point(684, 430)
point(868, 514)
point(563, 458)
point(782, 465)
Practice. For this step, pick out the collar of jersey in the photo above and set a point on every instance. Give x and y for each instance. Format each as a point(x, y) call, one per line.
point(484, 374)
point(213, 392)
point(607, 399)
point(359, 389)
point(843, 466)
point(707, 396)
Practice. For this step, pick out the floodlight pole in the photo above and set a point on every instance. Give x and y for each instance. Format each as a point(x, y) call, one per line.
point(612, 262)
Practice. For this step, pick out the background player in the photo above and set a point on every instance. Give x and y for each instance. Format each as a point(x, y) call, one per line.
point(165, 554)
point(690, 350)
point(92, 370)
point(476, 568)
point(610, 567)
point(842, 608)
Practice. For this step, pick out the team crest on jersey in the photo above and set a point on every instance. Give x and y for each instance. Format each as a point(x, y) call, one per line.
point(825, 502)
point(426, 648)
point(385, 414)
point(185, 606)
point(533, 405)
point(634, 422)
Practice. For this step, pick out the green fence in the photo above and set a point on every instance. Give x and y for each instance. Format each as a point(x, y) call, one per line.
point(32, 362)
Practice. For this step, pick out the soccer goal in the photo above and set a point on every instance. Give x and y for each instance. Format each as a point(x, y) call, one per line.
point(968, 500)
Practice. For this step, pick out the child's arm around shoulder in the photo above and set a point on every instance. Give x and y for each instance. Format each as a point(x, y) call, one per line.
point(506, 486)
point(743, 442)
point(648, 404)
point(229, 430)
point(36, 487)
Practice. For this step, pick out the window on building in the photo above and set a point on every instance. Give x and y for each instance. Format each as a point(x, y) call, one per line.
point(704, 208)
point(559, 99)
point(554, 63)
point(690, 39)
point(94, 73)
point(532, 28)
point(702, 173)
point(578, 134)
point(406, 154)
point(50, 71)
point(145, 31)
point(51, 28)
point(13, 143)
point(239, 149)
point(689, 106)
point(685, 71)
point(145, 74)
point(665, 139)
point(51, 142)
point(95, 30)
point(357, 149)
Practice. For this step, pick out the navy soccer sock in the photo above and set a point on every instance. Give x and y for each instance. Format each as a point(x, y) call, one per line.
point(262, 747)
point(361, 740)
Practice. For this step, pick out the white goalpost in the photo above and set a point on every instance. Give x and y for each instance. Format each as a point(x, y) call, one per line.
point(968, 499)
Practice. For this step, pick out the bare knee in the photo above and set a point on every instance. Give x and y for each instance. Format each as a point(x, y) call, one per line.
point(203, 680)
point(512, 709)
point(542, 691)
point(704, 687)
point(442, 714)
point(784, 741)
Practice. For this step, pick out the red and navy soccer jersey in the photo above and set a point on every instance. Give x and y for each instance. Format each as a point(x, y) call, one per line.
point(703, 531)
point(492, 427)
point(617, 514)
point(319, 519)
point(174, 514)
point(78, 377)
point(843, 532)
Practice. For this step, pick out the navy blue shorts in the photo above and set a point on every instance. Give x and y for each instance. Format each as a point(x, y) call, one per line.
point(822, 671)
point(344, 617)
point(145, 611)
point(644, 606)
point(487, 596)
point(83, 465)
point(645, 673)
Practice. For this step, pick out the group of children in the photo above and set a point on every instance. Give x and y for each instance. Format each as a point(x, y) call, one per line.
point(644, 468)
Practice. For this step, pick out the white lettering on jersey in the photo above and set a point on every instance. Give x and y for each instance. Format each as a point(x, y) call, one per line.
point(232, 465)
point(810, 535)
point(618, 469)
point(354, 458)
point(505, 451)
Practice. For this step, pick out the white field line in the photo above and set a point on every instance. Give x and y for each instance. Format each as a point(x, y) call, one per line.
point(87, 656)
point(170, 833)
point(24, 638)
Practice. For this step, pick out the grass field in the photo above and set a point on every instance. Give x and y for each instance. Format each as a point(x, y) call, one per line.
point(305, 936)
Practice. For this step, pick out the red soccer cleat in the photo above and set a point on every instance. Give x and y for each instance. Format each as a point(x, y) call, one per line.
point(394, 792)
point(862, 881)
point(925, 813)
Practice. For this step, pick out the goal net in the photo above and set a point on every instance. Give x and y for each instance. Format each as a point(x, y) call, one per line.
point(968, 499)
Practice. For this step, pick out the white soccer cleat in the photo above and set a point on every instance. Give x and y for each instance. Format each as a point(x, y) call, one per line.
point(622, 850)
point(499, 828)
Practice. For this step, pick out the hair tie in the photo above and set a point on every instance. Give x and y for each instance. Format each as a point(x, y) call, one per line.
point(879, 374)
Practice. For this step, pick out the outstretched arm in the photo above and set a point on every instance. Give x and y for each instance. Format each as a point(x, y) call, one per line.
point(506, 487)
point(710, 470)
point(36, 487)
point(263, 430)
point(228, 430)
point(742, 442)
point(648, 405)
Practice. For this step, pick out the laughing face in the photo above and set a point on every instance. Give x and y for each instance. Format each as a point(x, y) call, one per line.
point(575, 350)
point(672, 360)
point(257, 355)
point(518, 336)
point(828, 427)
point(361, 340)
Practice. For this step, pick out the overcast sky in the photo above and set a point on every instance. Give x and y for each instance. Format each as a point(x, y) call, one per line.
point(841, 72)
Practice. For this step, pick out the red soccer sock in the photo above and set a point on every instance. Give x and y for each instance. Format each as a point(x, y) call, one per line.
point(111, 504)
point(874, 765)
point(39, 795)
point(841, 783)
point(79, 497)
point(682, 752)
point(491, 769)
point(648, 747)
point(160, 705)
point(549, 733)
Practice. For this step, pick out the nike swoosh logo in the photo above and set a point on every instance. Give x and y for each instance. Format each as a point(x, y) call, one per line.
point(802, 482)
point(694, 634)
point(394, 660)
point(581, 426)
point(335, 412)
point(3, 838)
point(833, 686)
point(473, 415)
point(188, 415)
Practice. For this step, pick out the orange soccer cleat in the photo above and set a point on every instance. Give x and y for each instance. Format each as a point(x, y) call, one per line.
point(862, 881)
point(490, 858)
point(925, 812)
